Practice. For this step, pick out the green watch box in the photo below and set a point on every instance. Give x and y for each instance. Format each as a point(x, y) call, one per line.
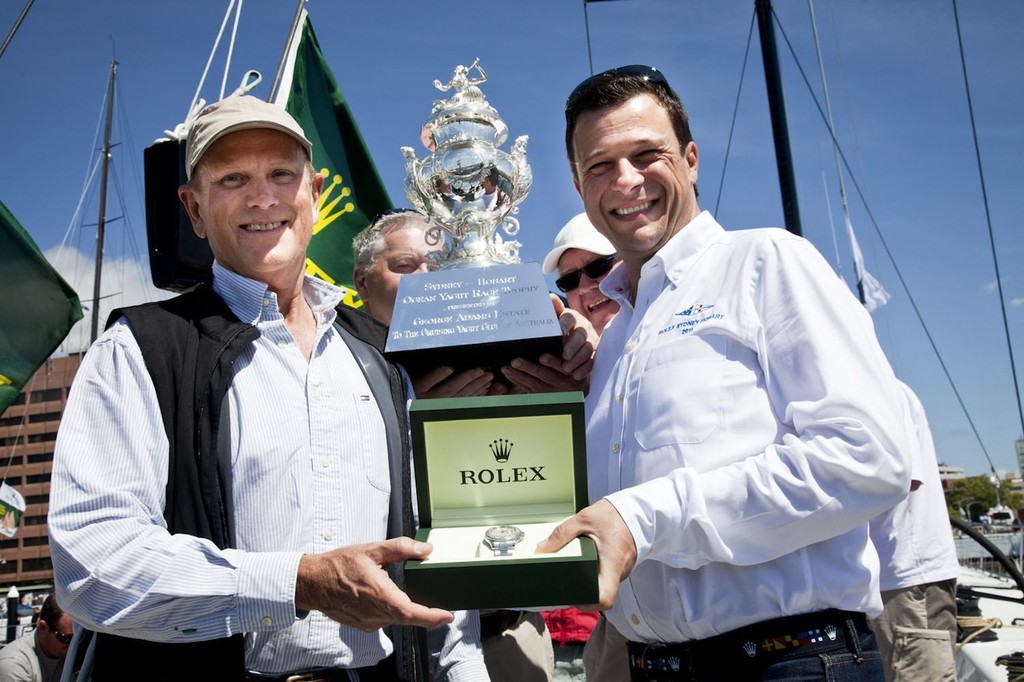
point(514, 460)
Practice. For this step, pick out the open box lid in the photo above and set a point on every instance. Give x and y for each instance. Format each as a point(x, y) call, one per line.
point(499, 459)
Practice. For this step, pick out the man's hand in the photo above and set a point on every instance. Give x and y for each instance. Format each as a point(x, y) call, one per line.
point(443, 382)
point(616, 550)
point(571, 372)
point(351, 585)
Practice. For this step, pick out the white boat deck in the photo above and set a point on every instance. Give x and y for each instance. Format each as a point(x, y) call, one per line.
point(976, 660)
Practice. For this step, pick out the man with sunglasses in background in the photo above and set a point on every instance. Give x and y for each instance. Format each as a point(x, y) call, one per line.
point(582, 257)
point(743, 423)
point(39, 655)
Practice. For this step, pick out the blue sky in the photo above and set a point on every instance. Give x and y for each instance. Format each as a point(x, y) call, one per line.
point(894, 79)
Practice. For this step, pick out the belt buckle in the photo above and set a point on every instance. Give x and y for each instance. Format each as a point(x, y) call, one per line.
point(305, 677)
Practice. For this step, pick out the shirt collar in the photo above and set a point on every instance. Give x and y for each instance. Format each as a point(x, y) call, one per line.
point(679, 253)
point(245, 297)
point(673, 259)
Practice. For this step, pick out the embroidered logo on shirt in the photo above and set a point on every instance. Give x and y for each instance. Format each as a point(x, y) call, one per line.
point(696, 314)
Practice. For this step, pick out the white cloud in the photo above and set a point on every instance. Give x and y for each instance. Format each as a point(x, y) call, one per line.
point(123, 282)
point(991, 287)
point(1017, 301)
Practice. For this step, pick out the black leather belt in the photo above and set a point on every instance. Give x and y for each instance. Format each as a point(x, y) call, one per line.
point(738, 654)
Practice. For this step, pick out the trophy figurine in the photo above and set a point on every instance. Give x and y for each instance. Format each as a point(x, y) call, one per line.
point(479, 306)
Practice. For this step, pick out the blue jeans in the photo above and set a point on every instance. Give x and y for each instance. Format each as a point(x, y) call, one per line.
point(833, 666)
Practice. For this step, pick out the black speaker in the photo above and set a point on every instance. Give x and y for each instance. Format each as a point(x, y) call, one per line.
point(178, 259)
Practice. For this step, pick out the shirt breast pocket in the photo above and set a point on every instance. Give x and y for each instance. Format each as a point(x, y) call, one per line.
point(679, 395)
point(372, 443)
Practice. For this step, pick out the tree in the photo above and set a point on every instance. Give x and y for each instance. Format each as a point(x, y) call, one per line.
point(976, 494)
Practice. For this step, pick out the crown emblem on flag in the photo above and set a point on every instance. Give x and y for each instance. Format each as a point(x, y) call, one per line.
point(501, 449)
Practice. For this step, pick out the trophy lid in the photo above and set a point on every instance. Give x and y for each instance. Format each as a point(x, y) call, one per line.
point(466, 109)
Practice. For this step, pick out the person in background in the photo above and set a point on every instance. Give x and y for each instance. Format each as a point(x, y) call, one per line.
point(743, 423)
point(38, 656)
point(231, 482)
point(391, 246)
point(917, 629)
point(582, 256)
point(516, 644)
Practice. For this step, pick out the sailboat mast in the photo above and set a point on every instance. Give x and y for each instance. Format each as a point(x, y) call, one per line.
point(103, 204)
point(777, 108)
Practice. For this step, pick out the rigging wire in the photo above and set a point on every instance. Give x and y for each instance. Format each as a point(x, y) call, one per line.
point(735, 111)
point(885, 245)
point(231, 50)
point(14, 29)
point(209, 60)
point(988, 217)
point(832, 133)
point(586, 24)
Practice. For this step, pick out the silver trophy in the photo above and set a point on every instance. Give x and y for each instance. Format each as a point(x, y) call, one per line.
point(468, 186)
point(479, 306)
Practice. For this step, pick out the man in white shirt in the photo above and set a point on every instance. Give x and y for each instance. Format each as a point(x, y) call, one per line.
point(743, 424)
point(917, 629)
point(231, 461)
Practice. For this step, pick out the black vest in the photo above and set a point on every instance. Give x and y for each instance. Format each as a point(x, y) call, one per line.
point(189, 343)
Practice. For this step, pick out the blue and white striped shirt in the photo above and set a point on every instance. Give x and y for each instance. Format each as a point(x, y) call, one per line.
point(310, 474)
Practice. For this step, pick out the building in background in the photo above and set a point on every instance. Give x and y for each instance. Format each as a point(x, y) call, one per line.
point(28, 431)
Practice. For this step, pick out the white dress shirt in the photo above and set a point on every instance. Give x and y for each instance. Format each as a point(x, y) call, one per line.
point(310, 474)
point(914, 539)
point(745, 423)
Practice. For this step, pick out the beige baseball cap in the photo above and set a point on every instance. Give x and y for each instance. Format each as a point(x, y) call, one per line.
point(237, 112)
point(578, 233)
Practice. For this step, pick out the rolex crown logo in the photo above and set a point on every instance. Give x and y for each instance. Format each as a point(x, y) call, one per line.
point(501, 449)
point(750, 648)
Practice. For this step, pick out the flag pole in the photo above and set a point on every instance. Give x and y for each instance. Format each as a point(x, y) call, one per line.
point(296, 20)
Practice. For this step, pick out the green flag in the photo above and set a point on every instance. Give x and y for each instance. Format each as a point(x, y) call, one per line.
point(353, 193)
point(37, 309)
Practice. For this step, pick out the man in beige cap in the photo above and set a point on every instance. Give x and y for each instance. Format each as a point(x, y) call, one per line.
point(583, 256)
point(231, 460)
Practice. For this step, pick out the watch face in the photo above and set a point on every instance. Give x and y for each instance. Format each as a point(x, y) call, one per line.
point(504, 534)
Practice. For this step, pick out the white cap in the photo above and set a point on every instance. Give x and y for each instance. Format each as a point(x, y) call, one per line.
point(578, 233)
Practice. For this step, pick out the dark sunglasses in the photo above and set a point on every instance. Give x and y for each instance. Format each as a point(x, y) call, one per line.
point(647, 72)
point(593, 270)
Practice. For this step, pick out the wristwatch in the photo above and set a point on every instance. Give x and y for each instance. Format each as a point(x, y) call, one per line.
point(502, 539)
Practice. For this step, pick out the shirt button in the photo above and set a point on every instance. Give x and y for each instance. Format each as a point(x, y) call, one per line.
point(266, 621)
point(634, 619)
point(282, 343)
point(266, 302)
point(615, 448)
point(630, 346)
point(328, 535)
point(620, 397)
point(325, 463)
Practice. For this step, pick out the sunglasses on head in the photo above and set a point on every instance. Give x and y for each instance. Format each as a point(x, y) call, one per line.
point(646, 72)
point(593, 270)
